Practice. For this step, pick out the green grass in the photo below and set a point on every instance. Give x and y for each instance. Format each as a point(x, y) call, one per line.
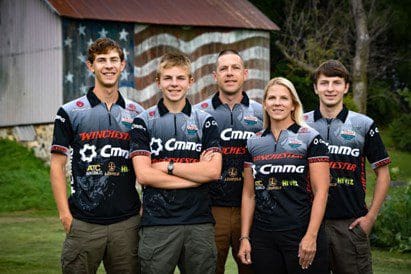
point(31, 235)
point(24, 180)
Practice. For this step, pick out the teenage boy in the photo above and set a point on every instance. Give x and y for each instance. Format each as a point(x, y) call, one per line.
point(238, 118)
point(101, 216)
point(176, 152)
point(351, 137)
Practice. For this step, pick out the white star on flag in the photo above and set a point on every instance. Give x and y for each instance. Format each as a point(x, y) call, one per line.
point(103, 33)
point(69, 77)
point(81, 30)
point(82, 58)
point(126, 53)
point(123, 35)
point(124, 75)
point(90, 42)
point(67, 42)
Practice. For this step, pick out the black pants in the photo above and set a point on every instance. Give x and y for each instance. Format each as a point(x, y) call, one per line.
point(277, 252)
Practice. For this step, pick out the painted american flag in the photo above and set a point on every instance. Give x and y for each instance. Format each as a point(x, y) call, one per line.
point(144, 45)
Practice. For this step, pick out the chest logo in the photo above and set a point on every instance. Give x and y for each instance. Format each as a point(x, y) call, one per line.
point(347, 134)
point(294, 143)
point(88, 153)
point(192, 129)
point(250, 120)
point(156, 146)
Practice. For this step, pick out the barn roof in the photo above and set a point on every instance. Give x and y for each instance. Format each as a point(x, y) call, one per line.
point(211, 13)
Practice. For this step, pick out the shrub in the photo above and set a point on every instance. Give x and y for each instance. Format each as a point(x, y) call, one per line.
point(393, 226)
point(400, 132)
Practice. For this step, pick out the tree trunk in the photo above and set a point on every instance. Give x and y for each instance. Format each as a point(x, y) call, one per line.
point(362, 52)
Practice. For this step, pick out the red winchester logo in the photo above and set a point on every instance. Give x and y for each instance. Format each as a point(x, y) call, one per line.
point(104, 134)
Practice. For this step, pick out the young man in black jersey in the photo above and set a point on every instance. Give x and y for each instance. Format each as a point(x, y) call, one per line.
point(176, 153)
point(351, 137)
point(101, 216)
point(238, 118)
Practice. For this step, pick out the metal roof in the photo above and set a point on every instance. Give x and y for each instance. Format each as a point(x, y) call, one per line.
point(211, 13)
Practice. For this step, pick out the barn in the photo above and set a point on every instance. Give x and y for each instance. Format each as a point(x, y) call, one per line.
point(44, 45)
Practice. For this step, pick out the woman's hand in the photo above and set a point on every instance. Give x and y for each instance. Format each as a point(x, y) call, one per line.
point(306, 251)
point(245, 251)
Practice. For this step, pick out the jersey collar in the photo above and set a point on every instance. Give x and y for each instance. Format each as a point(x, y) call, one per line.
point(341, 116)
point(217, 102)
point(294, 128)
point(162, 109)
point(94, 101)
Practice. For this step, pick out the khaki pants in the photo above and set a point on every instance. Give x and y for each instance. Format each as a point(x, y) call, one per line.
point(87, 244)
point(350, 251)
point(227, 234)
point(191, 247)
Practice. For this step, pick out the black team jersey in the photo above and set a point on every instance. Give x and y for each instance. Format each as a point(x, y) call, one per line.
point(98, 142)
point(180, 137)
point(236, 126)
point(350, 137)
point(283, 196)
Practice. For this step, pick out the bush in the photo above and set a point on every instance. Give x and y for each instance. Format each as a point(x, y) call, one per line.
point(393, 226)
point(400, 132)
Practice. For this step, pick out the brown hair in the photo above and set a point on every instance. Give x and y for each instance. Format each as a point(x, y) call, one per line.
point(332, 68)
point(103, 46)
point(226, 52)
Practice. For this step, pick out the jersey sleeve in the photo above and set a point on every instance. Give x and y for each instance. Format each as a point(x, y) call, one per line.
point(63, 134)
point(211, 138)
point(140, 139)
point(317, 150)
point(374, 148)
point(248, 159)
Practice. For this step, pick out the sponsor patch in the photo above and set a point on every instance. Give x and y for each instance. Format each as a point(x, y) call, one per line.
point(204, 105)
point(192, 129)
point(250, 120)
point(80, 104)
point(294, 143)
point(347, 134)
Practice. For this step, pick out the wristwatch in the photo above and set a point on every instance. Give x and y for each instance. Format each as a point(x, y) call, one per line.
point(170, 167)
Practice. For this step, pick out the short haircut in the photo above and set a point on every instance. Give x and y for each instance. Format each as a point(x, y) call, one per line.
point(174, 59)
point(103, 46)
point(297, 113)
point(226, 52)
point(332, 68)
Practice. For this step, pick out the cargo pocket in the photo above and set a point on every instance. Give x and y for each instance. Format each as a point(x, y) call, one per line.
point(70, 256)
point(145, 253)
point(362, 249)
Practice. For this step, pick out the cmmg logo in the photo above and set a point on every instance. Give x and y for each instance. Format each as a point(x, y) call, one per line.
point(156, 145)
point(230, 134)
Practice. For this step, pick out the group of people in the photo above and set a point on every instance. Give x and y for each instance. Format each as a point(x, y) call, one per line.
point(284, 190)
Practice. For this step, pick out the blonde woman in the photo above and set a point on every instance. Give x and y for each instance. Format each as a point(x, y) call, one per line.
point(286, 181)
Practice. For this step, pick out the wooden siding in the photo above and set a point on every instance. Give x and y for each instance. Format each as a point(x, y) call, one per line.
point(30, 63)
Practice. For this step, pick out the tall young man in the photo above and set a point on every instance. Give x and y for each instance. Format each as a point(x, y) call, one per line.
point(176, 153)
point(101, 216)
point(351, 138)
point(238, 119)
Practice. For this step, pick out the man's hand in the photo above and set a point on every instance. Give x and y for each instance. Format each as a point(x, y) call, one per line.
point(206, 156)
point(66, 221)
point(244, 252)
point(366, 223)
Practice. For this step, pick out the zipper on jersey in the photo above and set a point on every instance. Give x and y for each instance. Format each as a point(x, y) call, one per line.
point(328, 128)
point(109, 114)
point(175, 124)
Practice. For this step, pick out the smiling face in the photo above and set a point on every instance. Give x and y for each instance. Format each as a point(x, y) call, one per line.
point(279, 104)
point(107, 68)
point(331, 90)
point(174, 83)
point(230, 74)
